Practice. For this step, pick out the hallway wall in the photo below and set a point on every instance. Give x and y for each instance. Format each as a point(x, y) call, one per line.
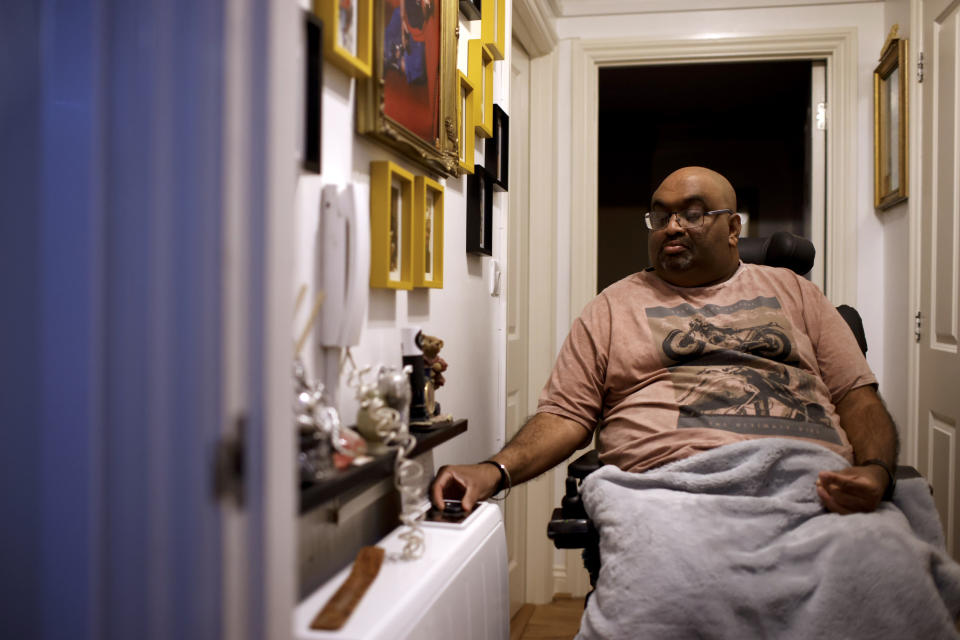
point(463, 313)
point(898, 309)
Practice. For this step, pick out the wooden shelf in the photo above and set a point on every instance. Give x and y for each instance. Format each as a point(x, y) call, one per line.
point(355, 479)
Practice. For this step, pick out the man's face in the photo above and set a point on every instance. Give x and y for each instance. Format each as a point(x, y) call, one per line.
point(697, 256)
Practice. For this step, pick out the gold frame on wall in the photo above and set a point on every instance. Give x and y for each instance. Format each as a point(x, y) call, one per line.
point(385, 251)
point(354, 65)
point(480, 66)
point(440, 155)
point(890, 85)
point(492, 26)
point(427, 237)
point(466, 123)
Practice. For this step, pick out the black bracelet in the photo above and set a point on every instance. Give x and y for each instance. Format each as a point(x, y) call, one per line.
point(505, 483)
point(892, 484)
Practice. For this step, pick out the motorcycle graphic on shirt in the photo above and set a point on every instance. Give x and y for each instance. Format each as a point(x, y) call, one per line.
point(768, 341)
point(735, 367)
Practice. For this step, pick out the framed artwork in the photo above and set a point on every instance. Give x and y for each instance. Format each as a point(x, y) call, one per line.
point(470, 9)
point(427, 233)
point(313, 81)
point(409, 101)
point(480, 66)
point(391, 226)
point(890, 85)
point(465, 123)
point(348, 41)
point(497, 152)
point(480, 212)
point(492, 27)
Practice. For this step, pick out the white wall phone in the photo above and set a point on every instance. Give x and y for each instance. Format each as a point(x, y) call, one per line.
point(343, 273)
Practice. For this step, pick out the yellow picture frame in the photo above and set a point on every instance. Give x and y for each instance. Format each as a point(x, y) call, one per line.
point(466, 123)
point(890, 118)
point(391, 226)
point(335, 31)
point(480, 67)
point(493, 27)
point(427, 233)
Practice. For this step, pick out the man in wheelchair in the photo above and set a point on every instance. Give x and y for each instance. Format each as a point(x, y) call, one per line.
point(768, 458)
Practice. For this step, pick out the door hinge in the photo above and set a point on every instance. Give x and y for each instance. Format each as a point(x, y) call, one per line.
point(821, 116)
point(917, 324)
point(228, 464)
point(920, 67)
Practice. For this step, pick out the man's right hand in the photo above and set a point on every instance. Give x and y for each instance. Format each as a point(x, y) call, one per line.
point(545, 440)
point(470, 483)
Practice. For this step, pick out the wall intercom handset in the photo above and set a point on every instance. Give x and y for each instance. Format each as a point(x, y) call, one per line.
point(344, 275)
point(344, 267)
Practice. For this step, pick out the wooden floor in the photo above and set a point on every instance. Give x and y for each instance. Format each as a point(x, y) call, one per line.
point(558, 620)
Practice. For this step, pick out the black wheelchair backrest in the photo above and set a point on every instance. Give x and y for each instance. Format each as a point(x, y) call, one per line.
point(781, 249)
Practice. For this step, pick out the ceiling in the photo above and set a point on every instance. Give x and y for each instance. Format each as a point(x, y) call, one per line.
point(569, 8)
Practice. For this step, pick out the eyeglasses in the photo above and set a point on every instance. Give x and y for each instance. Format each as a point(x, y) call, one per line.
point(686, 219)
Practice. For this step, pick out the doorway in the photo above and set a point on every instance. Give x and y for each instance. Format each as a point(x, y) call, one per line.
point(835, 47)
point(754, 122)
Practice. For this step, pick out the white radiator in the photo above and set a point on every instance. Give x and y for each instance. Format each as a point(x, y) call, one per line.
point(458, 589)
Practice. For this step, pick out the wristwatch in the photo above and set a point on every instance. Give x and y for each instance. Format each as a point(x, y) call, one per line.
point(892, 484)
point(505, 483)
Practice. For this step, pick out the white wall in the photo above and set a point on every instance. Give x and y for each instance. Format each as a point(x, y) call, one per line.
point(867, 18)
point(463, 313)
point(898, 308)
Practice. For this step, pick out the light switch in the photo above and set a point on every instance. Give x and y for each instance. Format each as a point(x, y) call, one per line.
point(496, 277)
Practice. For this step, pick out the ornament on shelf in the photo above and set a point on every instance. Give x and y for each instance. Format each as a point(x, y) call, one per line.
point(384, 399)
point(435, 366)
point(325, 444)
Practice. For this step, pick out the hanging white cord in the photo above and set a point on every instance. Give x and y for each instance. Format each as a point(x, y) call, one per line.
point(391, 426)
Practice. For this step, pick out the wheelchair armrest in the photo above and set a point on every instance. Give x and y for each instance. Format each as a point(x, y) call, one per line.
point(584, 465)
point(905, 472)
point(570, 533)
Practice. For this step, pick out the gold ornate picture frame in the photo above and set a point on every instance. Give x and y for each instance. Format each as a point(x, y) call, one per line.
point(427, 233)
point(347, 34)
point(480, 66)
point(466, 122)
point(890, 87)
point(391, 226)
point(409, 101)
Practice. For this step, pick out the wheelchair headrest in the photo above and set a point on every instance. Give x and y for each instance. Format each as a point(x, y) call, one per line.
point(782, 249)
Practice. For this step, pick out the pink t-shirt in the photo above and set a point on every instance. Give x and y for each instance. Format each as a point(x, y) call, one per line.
point(664, 372)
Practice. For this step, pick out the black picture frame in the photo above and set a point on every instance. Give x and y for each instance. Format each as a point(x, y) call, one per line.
point(480, 212)
point(312, 94)
point(470, 9)
point(497, 150)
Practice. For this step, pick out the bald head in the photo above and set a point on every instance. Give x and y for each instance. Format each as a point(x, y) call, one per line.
point(695, 256)
point(699, 181)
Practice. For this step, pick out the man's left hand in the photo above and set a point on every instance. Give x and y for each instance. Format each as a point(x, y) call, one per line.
point(852, 490)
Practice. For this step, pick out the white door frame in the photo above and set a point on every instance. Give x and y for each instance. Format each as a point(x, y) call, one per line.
point(909, 449)
point(836, 47)
point(532, 27)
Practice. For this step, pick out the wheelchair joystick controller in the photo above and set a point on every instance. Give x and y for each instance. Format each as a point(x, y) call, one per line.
point(571, 504)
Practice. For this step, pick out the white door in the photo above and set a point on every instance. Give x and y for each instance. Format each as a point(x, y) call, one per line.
point(939, 357)
point(518, 221)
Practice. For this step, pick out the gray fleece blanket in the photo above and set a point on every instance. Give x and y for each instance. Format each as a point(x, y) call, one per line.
point(734, 543)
